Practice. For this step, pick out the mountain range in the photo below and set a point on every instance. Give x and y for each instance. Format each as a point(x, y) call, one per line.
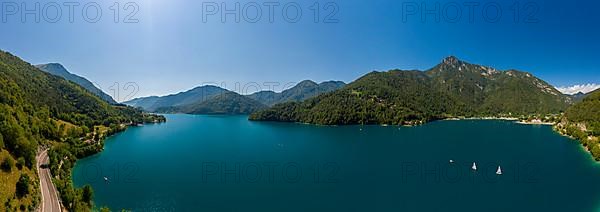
point(302, 91)
point(579, 96)
point(216, 100)
point(59, 70)
point(452, 88)
point(227, 102)
point(194, 95)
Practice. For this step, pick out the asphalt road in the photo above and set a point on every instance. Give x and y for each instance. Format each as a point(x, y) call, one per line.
point(50, 201)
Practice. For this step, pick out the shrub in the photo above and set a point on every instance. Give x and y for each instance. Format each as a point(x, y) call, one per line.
point(20, 163)
point(7, 164)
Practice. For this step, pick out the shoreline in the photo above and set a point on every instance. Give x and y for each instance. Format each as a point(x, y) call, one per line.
point(516, 120)
point(416, 123)
point(560, 129)
point(481, 118)
point(121, 128)
point(536, 123)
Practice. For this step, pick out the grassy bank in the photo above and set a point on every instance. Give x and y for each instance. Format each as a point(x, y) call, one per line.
point(15, 196)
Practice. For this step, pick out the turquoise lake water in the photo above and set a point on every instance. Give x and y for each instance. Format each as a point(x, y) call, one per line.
point(227, 163)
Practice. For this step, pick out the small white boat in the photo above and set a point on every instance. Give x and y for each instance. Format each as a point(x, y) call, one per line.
point(499, 171)
point(451, 161)
point(106, 179)
point(474, 167)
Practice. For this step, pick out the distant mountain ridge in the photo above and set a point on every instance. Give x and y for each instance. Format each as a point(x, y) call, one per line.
point(59, 70)
point(227, 102)
point(579, 96)
point(194, 95)
point(216, 100)
point(450, 89)
point(303, 90)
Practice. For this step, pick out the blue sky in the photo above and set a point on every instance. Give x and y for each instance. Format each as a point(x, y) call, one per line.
point(171, 48)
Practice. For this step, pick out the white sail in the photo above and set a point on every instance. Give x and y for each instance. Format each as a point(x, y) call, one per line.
point(474, 167)
point(499, 171)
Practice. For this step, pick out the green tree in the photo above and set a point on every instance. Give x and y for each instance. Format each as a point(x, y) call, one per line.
point(26, 149)
point(23, 185)
point(596, 151)
point(87, 194)
point(1, 141)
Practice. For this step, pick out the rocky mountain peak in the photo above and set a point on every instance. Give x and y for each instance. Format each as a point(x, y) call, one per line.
point(451, 60)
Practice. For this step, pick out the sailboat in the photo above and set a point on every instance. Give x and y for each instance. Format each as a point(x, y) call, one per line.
point(499, 171)
point(474, 167)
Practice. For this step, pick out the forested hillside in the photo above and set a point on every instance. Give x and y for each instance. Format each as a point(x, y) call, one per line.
point(587, 111)
point(40, 109)
point(59, 70)
point(582, 122)
point(451, 89)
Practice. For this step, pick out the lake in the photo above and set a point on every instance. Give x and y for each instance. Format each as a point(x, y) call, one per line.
point(227, 163)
